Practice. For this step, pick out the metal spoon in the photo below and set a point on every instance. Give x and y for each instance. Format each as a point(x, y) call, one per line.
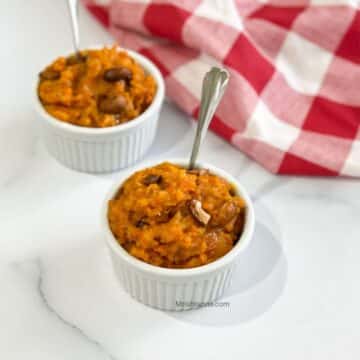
point(74, 10)
point(213, 88)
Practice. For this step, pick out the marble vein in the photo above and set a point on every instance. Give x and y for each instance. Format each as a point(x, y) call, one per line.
point(52, 310)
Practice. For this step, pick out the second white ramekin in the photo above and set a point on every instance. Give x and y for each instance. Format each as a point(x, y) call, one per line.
point(100, 150)
point(177, 289)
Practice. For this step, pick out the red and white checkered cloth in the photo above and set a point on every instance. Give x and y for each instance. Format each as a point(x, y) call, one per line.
point(293, 101)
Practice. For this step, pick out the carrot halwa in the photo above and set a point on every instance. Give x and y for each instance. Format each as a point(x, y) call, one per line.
point(96, 88)
point(176, 218)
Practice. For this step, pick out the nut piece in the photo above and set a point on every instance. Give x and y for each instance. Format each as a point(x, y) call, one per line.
point(141, 223)
point(226, 213)
point(239, 223)
point(49, 75)
point(117, 73)
point(75, 59)
point(152, 179)
point(166, 215)
point(119, 193)
point(198, 212)
point(112, 105)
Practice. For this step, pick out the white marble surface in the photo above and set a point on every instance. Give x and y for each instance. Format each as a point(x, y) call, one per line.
point(296, 294)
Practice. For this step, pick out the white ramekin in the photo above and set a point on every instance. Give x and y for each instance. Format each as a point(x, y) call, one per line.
point(176, 289)
point(95, 150)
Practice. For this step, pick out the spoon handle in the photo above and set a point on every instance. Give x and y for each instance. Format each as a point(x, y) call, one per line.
point(74, 10)
point(213, 88)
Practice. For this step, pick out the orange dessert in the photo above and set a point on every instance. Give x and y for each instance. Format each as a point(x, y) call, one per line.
point(176, 218)
point(97, 88)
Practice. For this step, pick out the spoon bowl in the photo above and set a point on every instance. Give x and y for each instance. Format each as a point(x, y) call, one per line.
point(213, 88)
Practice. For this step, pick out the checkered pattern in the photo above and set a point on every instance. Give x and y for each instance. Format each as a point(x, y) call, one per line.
point(293, 101)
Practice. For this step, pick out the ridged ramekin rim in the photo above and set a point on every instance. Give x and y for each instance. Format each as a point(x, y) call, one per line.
point(93, 132)
point(153, 270)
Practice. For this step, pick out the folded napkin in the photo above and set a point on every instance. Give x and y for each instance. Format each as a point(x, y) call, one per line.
point(293, 101)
